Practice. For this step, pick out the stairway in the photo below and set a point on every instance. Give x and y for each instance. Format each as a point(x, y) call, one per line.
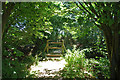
point(58, 51)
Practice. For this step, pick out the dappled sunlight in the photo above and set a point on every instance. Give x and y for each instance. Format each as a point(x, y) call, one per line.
point(48, 68)
point(61, 40)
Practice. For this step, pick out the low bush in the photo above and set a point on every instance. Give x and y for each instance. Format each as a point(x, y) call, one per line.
point(78, 66)
point(16, 65)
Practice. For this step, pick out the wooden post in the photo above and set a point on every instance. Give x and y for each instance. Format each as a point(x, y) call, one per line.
point(62, 46)
point(47, 46)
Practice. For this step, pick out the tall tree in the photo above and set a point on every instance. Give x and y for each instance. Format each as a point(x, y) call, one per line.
point(7, 8)
point(107, 18)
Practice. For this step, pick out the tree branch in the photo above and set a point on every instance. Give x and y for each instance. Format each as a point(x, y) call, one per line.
point(109, 12)
point(84, 8)
point(97, 25)
point(97, 5)
point(104, 12)
point(80, 8)
point(92, 21)
point(93, 10)
point(87, 11)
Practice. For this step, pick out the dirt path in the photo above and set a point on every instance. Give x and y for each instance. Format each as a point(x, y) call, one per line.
point(48, 69)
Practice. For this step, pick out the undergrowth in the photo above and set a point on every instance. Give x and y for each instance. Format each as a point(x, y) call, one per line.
point(79, 66)
point(16, 65)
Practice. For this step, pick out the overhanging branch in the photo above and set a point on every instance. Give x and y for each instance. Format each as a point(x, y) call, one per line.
point(89, 12)
point(80, 8)
point(93, 10)
point(84, 8)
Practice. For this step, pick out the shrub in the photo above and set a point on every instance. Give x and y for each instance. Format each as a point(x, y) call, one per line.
point(78, 66)
point(15, 66)
point(99, 68)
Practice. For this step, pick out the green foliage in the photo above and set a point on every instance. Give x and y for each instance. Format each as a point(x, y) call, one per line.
point(99, 68)
point(75, 55)
point(56, 20)
point(26, 27)
point(16, 69)
point(78, 66)
point(15, 64)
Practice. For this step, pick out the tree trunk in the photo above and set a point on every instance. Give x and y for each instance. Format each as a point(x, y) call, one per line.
point(6, 13)
point(115, 62)
point(112, 42)
point(113, 48)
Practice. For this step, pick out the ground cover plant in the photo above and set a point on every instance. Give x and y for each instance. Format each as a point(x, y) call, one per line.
point(79, 66)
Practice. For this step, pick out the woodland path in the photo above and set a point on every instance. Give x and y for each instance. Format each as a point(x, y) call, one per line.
point(48, 69)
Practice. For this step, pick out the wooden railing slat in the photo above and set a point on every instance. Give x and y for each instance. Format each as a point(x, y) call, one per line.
point(54, 47)
point(50, 55)
point(55, 42)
